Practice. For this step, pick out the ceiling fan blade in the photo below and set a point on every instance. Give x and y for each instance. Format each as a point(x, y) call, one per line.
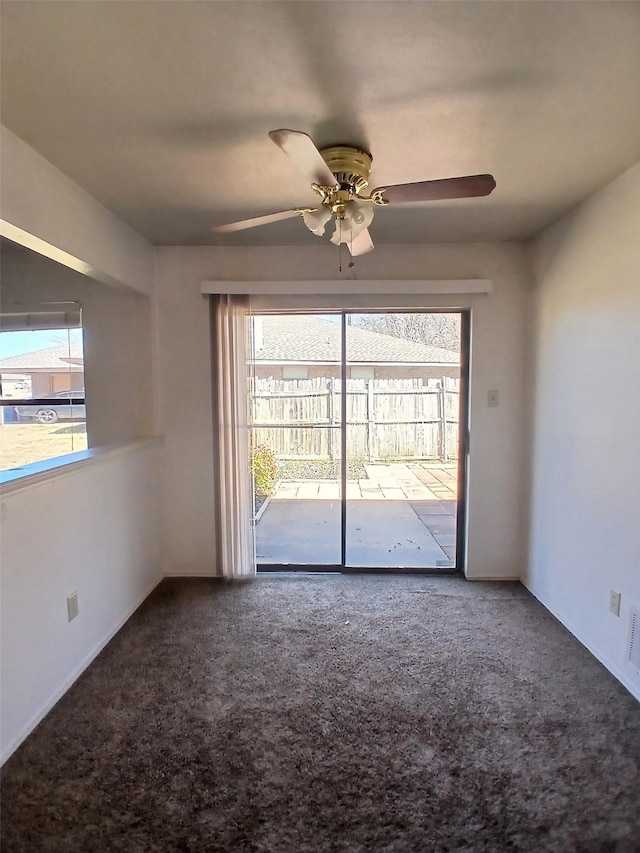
point(362, 244)
point(301, 149)
point(469, 186)
point(257, 220)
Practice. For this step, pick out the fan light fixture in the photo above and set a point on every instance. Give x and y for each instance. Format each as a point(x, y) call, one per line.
point(357, 216)
point(350, 220)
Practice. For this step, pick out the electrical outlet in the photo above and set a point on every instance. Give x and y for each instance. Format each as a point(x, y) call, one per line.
point(493, 399)
point(614, 602)
point(72, 606)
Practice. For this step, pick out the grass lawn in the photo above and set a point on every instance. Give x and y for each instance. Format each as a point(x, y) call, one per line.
point(21, 444)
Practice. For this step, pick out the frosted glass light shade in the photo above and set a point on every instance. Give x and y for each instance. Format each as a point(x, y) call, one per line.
point(315, 220)
point(345, 232)
point(360, 214)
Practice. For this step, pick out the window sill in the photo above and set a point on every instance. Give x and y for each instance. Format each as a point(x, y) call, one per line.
point(17, 479)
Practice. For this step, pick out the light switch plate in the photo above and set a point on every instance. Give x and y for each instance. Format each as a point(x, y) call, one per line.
point(493, 399)
point(614, 602)
point(72, 606)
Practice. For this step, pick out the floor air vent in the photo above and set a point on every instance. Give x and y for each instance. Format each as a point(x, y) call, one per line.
point(634, 638)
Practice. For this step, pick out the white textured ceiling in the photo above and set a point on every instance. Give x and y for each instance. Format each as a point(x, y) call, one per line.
point(161, 109)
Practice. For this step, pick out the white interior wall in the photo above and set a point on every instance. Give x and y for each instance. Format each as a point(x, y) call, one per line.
point(92, 529)
point(117, 341)
point(45, 211)
point(498, 332)
point(585, 409)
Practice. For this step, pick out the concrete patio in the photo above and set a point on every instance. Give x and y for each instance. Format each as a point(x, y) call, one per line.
point(400, 515)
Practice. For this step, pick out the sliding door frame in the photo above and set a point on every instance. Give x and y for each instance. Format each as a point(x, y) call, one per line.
point(464, 435)
point(463, 451)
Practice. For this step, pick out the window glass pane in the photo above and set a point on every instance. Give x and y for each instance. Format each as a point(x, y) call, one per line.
point(295, 431)
point(402, 432)
point(47, 367)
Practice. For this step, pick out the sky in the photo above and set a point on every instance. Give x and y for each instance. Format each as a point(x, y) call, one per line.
point(15, 343)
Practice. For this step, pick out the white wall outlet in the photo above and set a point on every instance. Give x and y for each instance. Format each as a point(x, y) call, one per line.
point(614, 602)
point(72, 606)
point(493, 399)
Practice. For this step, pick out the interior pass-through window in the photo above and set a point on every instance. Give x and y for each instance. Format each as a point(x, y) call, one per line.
point(43, 412)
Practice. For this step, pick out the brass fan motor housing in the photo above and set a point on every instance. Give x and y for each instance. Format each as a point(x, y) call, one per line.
point(351, 166)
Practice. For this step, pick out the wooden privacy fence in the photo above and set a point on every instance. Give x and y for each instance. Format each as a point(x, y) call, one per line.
point(386, 418)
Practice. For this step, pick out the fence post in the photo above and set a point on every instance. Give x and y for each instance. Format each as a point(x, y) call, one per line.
point(370, 421)
point(331, 415)
point(443, 420)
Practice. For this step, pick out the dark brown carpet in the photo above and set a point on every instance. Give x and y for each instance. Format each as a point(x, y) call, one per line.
point(328, 713)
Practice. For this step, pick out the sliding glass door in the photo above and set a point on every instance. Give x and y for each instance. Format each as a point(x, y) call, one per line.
point(402, 422)
point(358, 451)
point(296, 447)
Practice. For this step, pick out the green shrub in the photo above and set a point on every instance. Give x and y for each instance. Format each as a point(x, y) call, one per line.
point(265, 470)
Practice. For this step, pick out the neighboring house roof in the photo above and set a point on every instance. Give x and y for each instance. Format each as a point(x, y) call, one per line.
point(62, 358)
point(307, 337)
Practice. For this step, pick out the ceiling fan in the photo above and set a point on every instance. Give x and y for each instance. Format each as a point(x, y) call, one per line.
point(339, 175)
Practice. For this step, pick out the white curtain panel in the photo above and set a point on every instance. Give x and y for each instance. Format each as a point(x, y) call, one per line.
point(231, 348)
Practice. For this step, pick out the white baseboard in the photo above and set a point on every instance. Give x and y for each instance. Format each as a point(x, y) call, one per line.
point(77, 672)
point(493, 578)
point(617, 673)
point(186, 575)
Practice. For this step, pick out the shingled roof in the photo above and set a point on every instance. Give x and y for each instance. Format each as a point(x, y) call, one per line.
point(62, 357)
point(308, 337)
